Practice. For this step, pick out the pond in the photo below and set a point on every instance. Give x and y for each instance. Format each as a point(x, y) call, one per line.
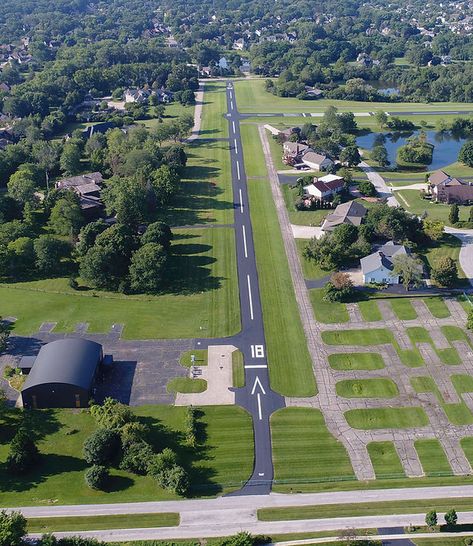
point(447, 146)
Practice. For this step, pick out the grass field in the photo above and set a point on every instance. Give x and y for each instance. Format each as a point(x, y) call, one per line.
point(203, 298)
point(205, 195)
point(370, 311)
point(286, 343)
point(356, 361)
point(403, 309)
point(367, 388)
point(214, 124)
point(252, 97)
point(411, 200)
point(187, 385)
point(254, 167)
point(220, 462)
point(417, 334)
point(432, 457)
point(448, 246)
point(301, 217)
point(326, 311)
point(373, 337)
point(97, 523)
point(238, 369)
point(437, 307)
point(380, 418)
point(310, 269)
point(200, 358)
point(385, 459)
point(454, 333)
point(457, 414)
point(304, 450)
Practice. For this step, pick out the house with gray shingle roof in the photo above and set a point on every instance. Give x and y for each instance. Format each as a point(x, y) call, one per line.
point(351, 213)
point(378, 267)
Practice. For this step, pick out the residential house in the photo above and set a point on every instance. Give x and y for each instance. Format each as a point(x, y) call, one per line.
point(326, 187)
point(223, 63)
point(379, 266)
point(313, 92)
point(4, 87)
point(314, 160)
point(164, 95)
point(294, 152)
point(137, 95)
point(351, 213)
point(446, 189)
point(239, 44)
point(245, 66)
point(88, 188)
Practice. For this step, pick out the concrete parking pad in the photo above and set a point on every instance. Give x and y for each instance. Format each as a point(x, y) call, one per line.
point(219, 376)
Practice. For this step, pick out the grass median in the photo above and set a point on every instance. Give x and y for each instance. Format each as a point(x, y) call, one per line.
point(98, 523)
point(378, 508)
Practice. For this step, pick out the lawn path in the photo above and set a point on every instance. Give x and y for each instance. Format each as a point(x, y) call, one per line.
point(199, 101)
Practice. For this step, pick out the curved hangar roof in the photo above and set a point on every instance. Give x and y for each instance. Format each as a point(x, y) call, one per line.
point(70, 361)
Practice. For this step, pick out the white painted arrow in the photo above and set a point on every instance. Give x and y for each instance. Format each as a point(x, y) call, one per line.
point(257, 382)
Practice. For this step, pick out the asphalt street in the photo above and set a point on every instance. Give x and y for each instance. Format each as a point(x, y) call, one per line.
point(257, 396)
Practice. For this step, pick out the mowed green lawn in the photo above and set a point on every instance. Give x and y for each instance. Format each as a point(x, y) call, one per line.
point(254, 164)
point(385, 459)
point(252, 97)
point(304, 450)
point(373, 336)
point(327, 312)
point(356, 361)
point(290, 366)
point(205, 195)
point(418, 334)
point(449, 246)
point(376, 418)
point(457, 413)
point(221, 461)
point(310, 269)
point(411, 200)
point(437, 307)
point(214, 124)
point(367, 388)
point(97, 523)
point(202, 298)
point(432, 457)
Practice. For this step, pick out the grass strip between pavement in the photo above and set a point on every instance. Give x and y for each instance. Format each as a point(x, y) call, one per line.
point(98, 523)
point(378, 508)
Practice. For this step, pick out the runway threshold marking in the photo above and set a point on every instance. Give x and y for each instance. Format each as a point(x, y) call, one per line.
point(256, 366)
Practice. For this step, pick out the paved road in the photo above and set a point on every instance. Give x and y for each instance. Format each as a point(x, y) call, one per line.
point(224, 524)
point(257, 396)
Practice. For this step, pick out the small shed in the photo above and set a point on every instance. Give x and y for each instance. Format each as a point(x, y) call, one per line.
point(63, 374)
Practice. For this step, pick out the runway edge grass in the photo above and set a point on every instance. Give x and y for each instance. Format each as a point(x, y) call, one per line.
point(290, 366)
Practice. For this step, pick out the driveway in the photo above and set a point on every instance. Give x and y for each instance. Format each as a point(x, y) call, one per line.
point(466, 251)
point(379, 183)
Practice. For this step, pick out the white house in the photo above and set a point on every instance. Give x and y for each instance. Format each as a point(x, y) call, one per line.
point(136, 95)
point(319, 162)
point(325, 187)
point(223, 63)
point(378, 267)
